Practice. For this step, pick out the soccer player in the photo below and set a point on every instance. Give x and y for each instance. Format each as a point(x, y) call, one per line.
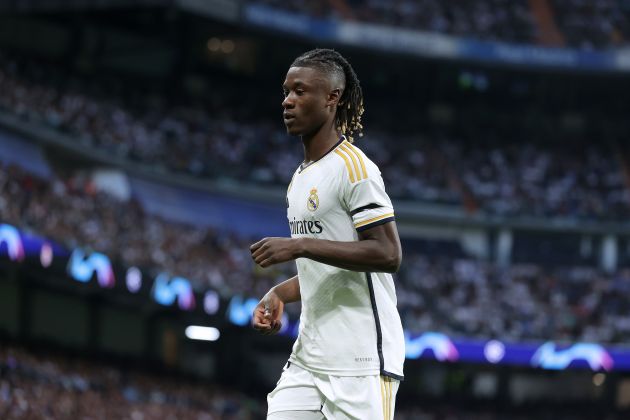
point(347, 361)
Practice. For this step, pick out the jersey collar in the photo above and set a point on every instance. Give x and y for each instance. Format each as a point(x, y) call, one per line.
point(303, 166)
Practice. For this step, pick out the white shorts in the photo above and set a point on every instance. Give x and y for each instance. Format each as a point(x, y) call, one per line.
point(371, 397)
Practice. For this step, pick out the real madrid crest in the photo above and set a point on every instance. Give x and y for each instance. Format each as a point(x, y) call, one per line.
point(313, 200)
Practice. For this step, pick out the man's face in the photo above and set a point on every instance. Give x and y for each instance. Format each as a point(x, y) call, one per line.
point(307, 101)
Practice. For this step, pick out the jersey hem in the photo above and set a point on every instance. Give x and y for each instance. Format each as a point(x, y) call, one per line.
point(392, 375)
point(295, 408)
point(334, 372)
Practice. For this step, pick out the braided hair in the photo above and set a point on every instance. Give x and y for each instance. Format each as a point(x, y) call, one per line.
point(350, 106)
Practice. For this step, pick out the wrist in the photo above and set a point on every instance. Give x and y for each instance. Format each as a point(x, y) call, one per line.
point(275, 293)
point(299, 250)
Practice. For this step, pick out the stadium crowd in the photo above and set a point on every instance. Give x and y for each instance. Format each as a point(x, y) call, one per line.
point(489, 19)
point(490, 411)
point(223, 140)
point(46, 386)
point(593, 25)
point(73, 213)
point(583, 24)
point(525, 300)
point(43, 385)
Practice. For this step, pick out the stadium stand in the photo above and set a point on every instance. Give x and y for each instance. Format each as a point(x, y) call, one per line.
point(581, 24)
point(536, 298)
point(525, 175)
point(593, 25)
point(538, 172)
point(70, 211)
point(53, 385)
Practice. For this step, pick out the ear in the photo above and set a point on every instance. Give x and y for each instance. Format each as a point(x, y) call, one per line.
point(333, 97)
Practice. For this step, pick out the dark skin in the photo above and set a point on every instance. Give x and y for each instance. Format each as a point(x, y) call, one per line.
point(310, 104)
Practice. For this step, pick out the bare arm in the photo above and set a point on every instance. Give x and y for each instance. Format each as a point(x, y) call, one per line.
point(267, 315)
point(288, 291)
point(378, 249)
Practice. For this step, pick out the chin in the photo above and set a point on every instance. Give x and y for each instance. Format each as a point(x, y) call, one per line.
point(293, 132)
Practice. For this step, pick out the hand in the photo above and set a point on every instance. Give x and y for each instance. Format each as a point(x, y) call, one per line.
point(269, 251)
point(268, 314)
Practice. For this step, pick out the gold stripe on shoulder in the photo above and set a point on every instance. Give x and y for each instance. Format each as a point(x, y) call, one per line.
point(354, 161)
point(374, 219)
point(345, 159)
point(358, 154)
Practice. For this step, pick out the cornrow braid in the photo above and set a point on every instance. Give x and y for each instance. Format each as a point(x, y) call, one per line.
point(350, 106)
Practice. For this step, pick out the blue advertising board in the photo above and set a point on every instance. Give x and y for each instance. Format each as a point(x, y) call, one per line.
point(429, 44)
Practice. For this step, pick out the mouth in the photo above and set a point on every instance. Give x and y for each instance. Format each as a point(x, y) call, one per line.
point(288, 117)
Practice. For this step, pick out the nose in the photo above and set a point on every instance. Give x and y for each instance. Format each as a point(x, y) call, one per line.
point(288, 103)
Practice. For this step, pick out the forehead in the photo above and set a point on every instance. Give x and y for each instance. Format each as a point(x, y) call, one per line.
point(305, 75)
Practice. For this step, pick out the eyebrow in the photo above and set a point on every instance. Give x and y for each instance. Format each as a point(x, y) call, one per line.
point(297, 83)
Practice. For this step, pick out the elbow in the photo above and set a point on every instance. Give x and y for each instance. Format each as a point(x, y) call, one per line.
point(393, 260)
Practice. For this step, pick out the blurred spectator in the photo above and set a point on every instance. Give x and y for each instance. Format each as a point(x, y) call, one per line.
point(497, 20)
point(523, 301)
point(587, 25)
point(68, 211)
point(47, 386)
point(53, 387)
point(514, 178)
point(463, 297)
point(593, 25)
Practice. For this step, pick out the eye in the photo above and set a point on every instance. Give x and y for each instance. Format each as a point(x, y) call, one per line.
point(299, 92)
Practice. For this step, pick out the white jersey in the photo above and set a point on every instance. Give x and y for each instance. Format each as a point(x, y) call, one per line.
point(349, 324)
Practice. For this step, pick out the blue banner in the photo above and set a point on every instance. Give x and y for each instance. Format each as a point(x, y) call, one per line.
point(294, 23)
point(429, 44)
point(543, 355)
point(440, 347)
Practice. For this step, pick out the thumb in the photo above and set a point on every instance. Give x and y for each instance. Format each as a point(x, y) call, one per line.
point(267, 310)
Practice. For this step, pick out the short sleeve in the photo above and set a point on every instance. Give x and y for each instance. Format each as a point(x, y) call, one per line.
point(364, 193)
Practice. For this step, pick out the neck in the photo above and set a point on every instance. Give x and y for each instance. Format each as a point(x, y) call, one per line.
point(319, 143)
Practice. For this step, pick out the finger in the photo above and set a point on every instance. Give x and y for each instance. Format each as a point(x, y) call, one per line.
point(269, 261)
point(275, 328)
point(269, 327)
point(257, 244)
point(262, 328)
point(262, 323)
point(266, 331)
point(266, 263)
point(259, 311)
point(260, 318)
point(264, 257)
point(258, 315)
point(259, 251)
point(256, 323)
